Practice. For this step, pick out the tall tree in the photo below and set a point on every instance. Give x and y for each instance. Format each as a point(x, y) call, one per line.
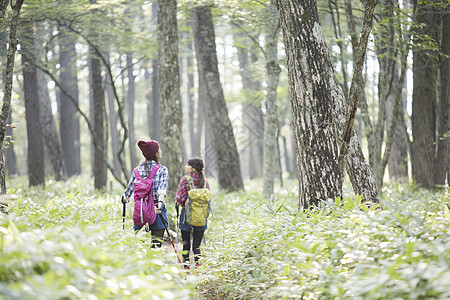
point(112, 122)
point(314, 95)
point(215, 109)
point(98, 98)
point(169, 92)
point(35, 157)
point(424, 97)
point(50, 133)
point(8, 82)
point(130, 101)
point(190, 86)
point(441, 162)
point(391, 46)
point(69, 124)
point(311, 101)
point(272, 117)
point(252, 116)
point(9, 71)
point(49, 130)
point(154, 117)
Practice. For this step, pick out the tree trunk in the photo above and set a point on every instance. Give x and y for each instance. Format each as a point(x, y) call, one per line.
point(201, 125)
point(130, 101)
point(312, 100)
point(169, 92)
point(113, 122)
point(11, 159)
point(252, 116)
point(398, 160)
point(49, 130)
point(99, 121)
point(9, 72)
point(190, 86)
point(98, 112)
point(424, 104)
point(155, 116)
point(441, 162)
point(35, 157)
point(271, 119)
point(216, 112)
point(69, 127)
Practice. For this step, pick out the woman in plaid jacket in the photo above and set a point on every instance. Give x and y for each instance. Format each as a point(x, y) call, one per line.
point(195, 168)
point(152, 154)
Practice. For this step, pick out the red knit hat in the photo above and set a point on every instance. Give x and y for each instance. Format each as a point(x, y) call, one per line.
point(148, 148)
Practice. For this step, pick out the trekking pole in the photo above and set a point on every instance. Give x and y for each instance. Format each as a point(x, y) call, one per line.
point(170, 238)
point(178, 225)
point(124, 210)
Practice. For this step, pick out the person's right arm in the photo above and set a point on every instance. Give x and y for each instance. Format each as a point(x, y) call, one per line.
point(182, 192)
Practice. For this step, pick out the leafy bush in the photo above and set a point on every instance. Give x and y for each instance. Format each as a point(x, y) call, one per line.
point(66, 242)
point(344, 249)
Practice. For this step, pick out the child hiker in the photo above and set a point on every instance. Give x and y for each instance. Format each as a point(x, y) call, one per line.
point(194, 169)
point(151, 167)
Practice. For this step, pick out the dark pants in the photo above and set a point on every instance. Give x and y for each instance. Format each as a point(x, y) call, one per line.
point(186, 236)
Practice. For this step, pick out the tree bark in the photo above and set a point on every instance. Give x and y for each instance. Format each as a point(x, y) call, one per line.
point(98, 112)
point(49, 130)
point(355, 86)
point(155, 116)
point(424, 103)
point(130, 100)
point(272, 116)
point(113, 123)
point(312, 101)
point(321, 87)
point(11, 158)
point(35, 157)
point(215, 109)
point(169, 92)
point(9, 72)
point(99, 121)
point(190, 86)
point(68, 117)
point(252, 116)
point(441, 161)
point(398, 159)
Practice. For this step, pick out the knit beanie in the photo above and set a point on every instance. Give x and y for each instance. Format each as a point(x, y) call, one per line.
point(148, 148)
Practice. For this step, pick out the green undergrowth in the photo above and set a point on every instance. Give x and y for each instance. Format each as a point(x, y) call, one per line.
point(66, 241)
point(399, 249)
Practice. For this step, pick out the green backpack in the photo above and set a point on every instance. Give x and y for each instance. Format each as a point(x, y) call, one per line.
point(198, 205)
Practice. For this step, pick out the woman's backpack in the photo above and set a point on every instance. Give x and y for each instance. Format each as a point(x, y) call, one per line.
point(198, 204)
point(144, 205)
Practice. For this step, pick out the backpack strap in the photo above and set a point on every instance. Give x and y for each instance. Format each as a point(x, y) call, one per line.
point(151, 175)
point(154, 170)
point(136, 173)
point(191, 183)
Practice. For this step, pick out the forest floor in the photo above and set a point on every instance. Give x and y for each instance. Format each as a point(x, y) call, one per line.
point(64, 241)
